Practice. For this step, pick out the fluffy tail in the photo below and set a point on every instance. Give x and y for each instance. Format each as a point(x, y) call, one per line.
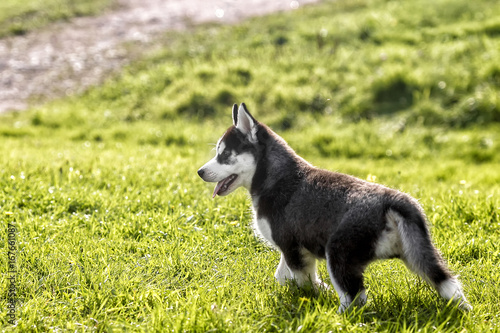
point(420, 255)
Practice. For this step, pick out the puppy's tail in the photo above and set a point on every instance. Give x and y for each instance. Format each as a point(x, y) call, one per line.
point(420, 255)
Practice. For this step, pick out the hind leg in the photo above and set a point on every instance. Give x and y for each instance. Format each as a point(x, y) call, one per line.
point(346, 260)
point(348, 253)
point(347, 281)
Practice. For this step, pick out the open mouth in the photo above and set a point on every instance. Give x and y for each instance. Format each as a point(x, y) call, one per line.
point(224, 184)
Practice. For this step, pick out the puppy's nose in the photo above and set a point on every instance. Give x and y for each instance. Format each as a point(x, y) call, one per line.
point(201, 172)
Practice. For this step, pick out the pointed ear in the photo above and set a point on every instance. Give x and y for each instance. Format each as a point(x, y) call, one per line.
point(245, 122)
point(235, 114)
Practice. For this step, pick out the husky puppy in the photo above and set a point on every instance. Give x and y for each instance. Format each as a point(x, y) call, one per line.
point(308, 213)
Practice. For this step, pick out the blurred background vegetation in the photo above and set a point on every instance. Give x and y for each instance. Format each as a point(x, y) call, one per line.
point(20, 17)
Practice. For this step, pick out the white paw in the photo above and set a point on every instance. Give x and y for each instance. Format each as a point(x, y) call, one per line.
point(281, 279)
point(282, 275)
point(464, 306)
point(342, 308)
point(318, 285)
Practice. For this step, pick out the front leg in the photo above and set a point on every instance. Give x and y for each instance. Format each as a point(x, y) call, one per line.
point(283, 273)
point(300, 267)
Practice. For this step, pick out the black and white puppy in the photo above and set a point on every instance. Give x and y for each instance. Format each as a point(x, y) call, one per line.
point(308, 213)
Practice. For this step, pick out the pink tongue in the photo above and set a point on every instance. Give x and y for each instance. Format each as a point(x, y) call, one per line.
point(217, 187)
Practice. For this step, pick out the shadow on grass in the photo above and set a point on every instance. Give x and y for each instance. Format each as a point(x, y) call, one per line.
point(306, 306)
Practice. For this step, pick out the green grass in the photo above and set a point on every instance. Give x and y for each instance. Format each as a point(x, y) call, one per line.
point(117, 232)
point(19, 17)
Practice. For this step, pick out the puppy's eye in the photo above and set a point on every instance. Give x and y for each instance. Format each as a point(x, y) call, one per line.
point(224, 157)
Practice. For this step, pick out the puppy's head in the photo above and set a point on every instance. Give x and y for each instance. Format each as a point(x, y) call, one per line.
point(235, 160)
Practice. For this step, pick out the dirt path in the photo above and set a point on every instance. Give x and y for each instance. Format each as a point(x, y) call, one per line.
point(67, 58)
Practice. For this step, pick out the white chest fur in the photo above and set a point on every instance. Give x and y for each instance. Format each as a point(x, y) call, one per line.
point(262, 228)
